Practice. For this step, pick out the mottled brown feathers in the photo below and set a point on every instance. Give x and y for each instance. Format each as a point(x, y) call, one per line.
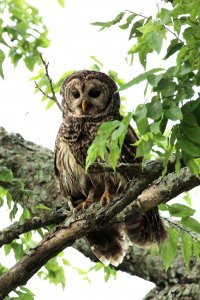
point(89, 99)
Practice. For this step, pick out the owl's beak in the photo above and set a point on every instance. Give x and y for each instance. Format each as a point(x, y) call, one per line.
point(84, 105)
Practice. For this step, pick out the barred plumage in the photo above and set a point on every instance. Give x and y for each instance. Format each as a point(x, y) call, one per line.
point(89, 99)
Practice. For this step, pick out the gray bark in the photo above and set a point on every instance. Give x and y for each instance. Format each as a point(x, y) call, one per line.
point(34, 165)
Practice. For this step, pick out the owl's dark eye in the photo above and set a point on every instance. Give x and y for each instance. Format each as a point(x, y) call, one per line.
point(76, 94)
point(94, 93)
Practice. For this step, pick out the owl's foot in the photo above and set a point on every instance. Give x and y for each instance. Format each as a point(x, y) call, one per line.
point(84, 204)
point(106, 198)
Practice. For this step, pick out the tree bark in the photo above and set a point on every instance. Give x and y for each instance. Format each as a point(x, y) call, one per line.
point(34, 164)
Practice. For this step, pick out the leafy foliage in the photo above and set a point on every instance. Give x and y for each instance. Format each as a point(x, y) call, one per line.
point(23, 33)
point(54, 272)
point(186, 229)
point(173, 94)
point(108, 142)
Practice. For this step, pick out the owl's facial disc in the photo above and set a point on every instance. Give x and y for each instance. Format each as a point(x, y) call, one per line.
point(87, 98)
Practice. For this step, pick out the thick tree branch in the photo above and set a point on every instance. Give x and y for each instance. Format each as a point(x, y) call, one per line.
point(35, 165)
point(94, 218)
point(162, 190)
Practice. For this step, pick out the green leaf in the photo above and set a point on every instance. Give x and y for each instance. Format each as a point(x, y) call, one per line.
point(29, 62)
point(173, 48)
point(187, 198)
point(192, 133)
point(114, 155)
point(66, 262)
point(154, 79)
point(139, 79)
point(25, 214)
point(3, 269)
point(173, 112)
point(6, 174)
point(186, 248)
point(196, 249)
point(107, 128)
point(163, 83)
point(56, 274)
point(144, 148)
point(62, 3)
point(28, 296)
point(163, 207)
point(154, 110)
point(155, 40)
point(189, 147)
point(18, 250)
point(50, 104)
point(115, 77)
point(27, 192)
point(180, 210)
point(155, 127)
point(169, 249)
point(96, 60)
point(106, 273)
point(44, 207)
point(191, 223)
point(7, 249)
point(14, 211)
point(128, 21)
point(104, 25)
point(193, 165)
point(140, 112)
point(117, 133)
point(2, 57)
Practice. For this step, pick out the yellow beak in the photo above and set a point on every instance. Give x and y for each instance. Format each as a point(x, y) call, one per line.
point(84, 105)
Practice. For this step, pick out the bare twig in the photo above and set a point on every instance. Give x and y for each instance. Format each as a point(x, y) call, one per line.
point(172, 32)
point(53, 97)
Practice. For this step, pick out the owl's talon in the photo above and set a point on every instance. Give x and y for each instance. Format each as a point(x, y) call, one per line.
point(84, 204)
point(106, 198)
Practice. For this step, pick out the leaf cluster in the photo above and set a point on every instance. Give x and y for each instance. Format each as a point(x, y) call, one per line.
point(168, 121)
point(108, 142)
point(186, 229)
point(23, 33)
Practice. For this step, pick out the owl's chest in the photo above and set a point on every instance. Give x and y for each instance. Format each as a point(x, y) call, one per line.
point(73, 177)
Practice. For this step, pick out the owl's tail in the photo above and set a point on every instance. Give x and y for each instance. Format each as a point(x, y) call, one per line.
point(146, 229)
point(109, 245)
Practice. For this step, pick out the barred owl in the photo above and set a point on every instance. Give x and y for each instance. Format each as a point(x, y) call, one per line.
point(89, 98)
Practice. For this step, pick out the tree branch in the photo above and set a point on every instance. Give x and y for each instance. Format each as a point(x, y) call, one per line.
point(53, 97)
point(95, 219)
point(34, 165)
point(12, 232)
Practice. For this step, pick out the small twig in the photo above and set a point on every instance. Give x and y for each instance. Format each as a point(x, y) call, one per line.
point(144, 17)
point(53, 97)
point(46, 95)
point(181, 228)
point(172, 32)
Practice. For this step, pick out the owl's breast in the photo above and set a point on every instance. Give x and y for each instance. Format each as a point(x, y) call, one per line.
point(72, 176)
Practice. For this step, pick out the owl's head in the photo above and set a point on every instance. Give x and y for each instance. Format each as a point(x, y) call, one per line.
point(89, 93)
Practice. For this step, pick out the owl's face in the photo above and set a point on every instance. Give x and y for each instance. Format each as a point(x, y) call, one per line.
point(88, 93)
point(86, 98)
